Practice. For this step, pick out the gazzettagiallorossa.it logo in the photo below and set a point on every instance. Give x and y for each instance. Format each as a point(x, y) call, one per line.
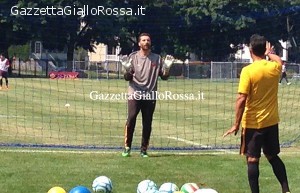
point(140, 95)
point(85, 10)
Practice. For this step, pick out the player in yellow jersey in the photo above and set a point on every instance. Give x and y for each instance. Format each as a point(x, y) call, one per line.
point(257, 110)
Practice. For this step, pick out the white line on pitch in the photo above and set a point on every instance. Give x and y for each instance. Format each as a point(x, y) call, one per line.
point(55, 151)
point(111, 152)
point(188, 142)
point(52, 117)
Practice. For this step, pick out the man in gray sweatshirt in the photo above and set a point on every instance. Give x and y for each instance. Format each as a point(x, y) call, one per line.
point(142, 71)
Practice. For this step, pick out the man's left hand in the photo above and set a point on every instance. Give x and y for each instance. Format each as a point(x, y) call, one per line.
point(168, 62)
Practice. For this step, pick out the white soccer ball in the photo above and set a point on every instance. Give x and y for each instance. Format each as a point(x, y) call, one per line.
point(67, 105)
point(189, 188)
point(206, 190)
point(152, 191)
point(102, 184)
point(146, 186)
point(168, 187)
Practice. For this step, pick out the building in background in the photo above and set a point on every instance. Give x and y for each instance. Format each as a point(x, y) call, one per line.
point(243, 53)
point(102, 53)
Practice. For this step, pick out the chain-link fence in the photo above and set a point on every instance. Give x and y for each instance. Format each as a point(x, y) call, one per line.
point(114, 70)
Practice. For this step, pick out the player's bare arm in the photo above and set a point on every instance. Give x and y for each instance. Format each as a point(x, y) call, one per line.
point(271, 54)
point(239, 110)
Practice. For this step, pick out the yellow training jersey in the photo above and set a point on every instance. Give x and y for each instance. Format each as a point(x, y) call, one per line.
point(259, 81)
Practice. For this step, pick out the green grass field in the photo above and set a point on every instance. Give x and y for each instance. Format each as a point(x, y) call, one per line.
point(28, 172)
point(33, 112)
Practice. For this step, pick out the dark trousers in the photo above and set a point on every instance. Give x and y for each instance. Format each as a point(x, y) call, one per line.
point(3, 74)
point(147, 108)
point(283, 76)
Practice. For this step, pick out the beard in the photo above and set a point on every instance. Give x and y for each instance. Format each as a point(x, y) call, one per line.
point(146, 47)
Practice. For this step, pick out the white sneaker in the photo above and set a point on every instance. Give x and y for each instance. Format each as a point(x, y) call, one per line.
point(288, 83)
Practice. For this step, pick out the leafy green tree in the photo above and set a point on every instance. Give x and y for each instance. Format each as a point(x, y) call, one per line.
point(70, 32)
point(204, 27)
point(57, 31)
point(159, 20)
point(13, 30)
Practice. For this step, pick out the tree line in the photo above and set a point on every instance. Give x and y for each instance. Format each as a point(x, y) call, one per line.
point(178, 27)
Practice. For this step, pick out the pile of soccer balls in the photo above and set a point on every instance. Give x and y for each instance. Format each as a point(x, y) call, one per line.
point(148, 186)
point(103, 184)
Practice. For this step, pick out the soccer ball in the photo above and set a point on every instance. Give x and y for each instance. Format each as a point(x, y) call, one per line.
point(206, 190)
point(80, 189)
point(152, 191)
point(102, 184)
point(189, 188)
point(56, 189)
point(168, 187)
point(146, 186)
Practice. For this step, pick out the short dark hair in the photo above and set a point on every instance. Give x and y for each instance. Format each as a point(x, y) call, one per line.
point(258, 44)
point(143, 34)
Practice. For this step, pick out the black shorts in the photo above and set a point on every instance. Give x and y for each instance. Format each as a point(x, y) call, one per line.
point(3, 74)
point(253, 140)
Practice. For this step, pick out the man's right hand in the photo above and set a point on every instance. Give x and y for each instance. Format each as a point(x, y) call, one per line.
point(234, 129)
point(126, 62)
